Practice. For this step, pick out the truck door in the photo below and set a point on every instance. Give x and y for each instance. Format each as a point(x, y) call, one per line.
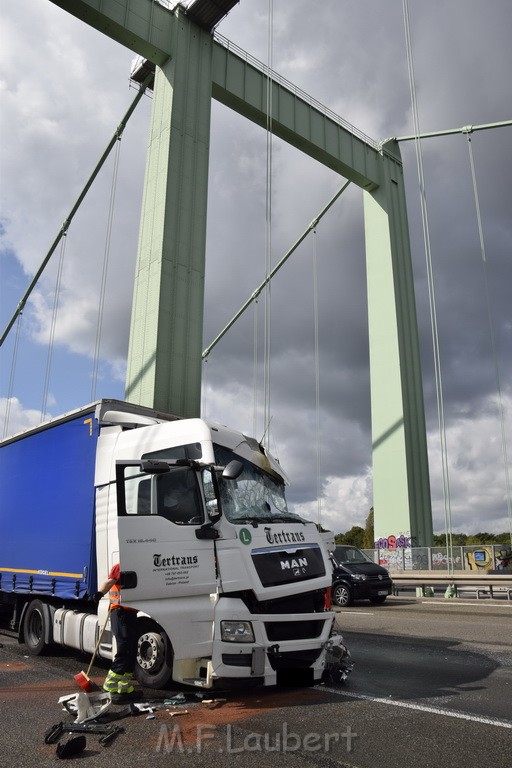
point(159, 553)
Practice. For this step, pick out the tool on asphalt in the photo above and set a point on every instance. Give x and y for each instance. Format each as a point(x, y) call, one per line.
point(71, 748)
point(82, 678)
point(86, 706)
point(107, 733)
point(129, 711)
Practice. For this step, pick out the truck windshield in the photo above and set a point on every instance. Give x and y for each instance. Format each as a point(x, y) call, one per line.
point(254, 497)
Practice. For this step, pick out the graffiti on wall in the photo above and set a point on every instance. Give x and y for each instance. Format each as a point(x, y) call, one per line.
point(441, 559)
point(480, 559)
point(394, 542)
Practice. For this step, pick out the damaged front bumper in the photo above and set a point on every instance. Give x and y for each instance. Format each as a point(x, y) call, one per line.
point(284, 644)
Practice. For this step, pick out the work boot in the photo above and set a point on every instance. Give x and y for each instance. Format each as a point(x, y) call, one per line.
point(125, 683)
point(126, 690)
point(111, 684)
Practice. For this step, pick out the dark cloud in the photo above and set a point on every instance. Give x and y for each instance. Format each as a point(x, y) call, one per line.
point(350, 56)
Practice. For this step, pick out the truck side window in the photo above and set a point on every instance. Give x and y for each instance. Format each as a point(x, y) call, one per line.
point(178, 498)
point(144, 497)
point(137, 492)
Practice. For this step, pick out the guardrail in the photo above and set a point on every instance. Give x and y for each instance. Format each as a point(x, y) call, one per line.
point(462, 581)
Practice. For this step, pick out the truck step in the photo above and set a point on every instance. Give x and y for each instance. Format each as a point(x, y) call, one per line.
point(198, 682)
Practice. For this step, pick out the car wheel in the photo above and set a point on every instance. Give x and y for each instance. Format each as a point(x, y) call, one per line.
point(378, 599)
point(342, 595)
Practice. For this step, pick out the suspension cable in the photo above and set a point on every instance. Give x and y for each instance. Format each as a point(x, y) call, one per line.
point(65, 226)
point(317, 379)
point(491, 331)
point(53, 324)
point(104, 273)
point(11, 376)
point(448, 132)
point(204, 384)
point(268, 230)
point(431, 292)
point(255, 368)
point(275, 269)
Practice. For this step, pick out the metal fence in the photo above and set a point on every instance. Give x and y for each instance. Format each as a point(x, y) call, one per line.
point(485, 557)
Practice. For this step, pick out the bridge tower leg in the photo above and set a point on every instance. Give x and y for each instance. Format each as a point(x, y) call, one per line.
point(401, 486)
point(166, 334)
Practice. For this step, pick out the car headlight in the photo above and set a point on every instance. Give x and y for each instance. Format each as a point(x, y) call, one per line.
point(359, 577)
point(236, 631)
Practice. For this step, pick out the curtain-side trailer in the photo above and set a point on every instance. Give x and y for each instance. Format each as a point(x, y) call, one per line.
point(228, 584)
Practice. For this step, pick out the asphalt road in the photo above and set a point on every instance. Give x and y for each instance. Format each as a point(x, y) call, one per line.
point(432, 687)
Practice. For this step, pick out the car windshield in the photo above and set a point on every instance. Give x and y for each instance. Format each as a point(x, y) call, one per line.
point(255, 496)
point(350, 555)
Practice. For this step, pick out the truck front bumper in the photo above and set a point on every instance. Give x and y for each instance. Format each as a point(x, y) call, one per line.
point(281, 642)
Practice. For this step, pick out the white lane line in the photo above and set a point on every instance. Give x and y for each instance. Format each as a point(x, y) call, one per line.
point(358, 613)
point(475, 603)
point(421, 708)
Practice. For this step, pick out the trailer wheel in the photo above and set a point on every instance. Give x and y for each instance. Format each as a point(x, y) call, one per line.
point(154, 656)
point(35, 627)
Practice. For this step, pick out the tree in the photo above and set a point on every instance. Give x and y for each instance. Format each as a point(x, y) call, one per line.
point(474, 539)
point(369, 537)
point(354, 536)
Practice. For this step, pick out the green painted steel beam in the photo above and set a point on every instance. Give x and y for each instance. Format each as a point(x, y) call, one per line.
point(143, 26)
point(243, 86)
point(240, 83)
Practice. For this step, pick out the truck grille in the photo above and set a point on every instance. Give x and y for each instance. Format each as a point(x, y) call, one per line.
point(293, 630)
point(305, 602)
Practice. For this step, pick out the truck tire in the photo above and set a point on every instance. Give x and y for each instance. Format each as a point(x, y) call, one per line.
point(342, 595)
point(36, 627)
point(154, 656)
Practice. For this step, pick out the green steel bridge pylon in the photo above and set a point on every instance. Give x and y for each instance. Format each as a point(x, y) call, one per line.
point(164, 359)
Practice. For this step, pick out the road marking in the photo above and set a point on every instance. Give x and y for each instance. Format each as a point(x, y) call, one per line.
point(358, 613)
point(476, 602)
point(421, 708)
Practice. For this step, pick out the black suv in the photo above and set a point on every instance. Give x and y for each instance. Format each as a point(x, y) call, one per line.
point(356, 577)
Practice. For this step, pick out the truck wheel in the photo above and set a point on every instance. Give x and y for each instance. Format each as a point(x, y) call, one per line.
point(154, 656)
point(341, 595)
point(35, 627)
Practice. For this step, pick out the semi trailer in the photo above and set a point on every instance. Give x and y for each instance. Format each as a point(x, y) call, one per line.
point(229, 585)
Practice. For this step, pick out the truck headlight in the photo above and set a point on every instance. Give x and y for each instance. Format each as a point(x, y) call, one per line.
point(236, 631)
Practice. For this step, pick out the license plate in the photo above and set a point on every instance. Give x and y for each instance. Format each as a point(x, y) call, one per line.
point(382, 592)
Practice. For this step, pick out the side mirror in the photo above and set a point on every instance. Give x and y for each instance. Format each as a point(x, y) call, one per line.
point(207, 532)
point(233, 470)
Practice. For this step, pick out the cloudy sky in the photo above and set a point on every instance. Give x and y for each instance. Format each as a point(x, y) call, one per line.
point(64, 88)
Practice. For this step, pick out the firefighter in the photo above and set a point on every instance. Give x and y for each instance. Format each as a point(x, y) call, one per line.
point(123, 620)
